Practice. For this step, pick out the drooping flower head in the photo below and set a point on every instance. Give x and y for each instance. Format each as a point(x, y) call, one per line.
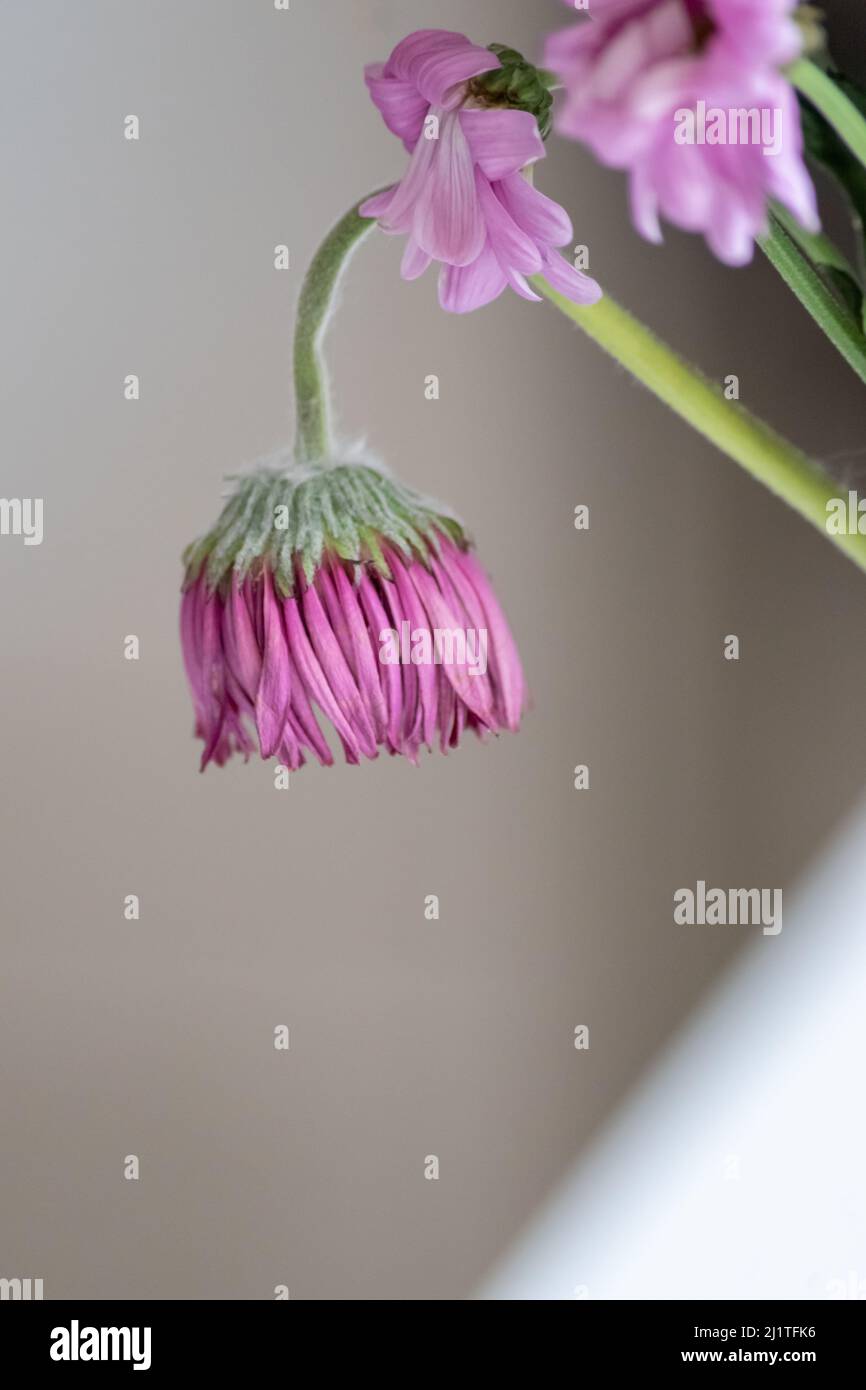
point(332, 590)
point(471, 119)
point(689, 96)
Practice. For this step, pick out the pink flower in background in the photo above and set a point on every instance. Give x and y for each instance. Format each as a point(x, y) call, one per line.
point(466, 200)
point(337, 616)
point(637, 67)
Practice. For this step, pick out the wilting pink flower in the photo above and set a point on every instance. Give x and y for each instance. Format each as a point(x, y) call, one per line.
point(466, 199)
point(368, 610)
point(635, 71)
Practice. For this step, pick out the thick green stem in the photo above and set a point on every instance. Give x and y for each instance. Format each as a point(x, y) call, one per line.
point(312, 405)
point(833, 104)
point(764, 454)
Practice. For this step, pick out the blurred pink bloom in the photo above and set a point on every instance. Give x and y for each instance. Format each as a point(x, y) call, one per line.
point(258, 659)
point(635, 69)
point(466, 200)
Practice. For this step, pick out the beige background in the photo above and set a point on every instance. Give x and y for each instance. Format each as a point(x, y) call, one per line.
point(306, 908)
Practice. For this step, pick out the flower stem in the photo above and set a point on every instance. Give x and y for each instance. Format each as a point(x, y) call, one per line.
point(832, 102)
point(743, 437)
point(313, 435)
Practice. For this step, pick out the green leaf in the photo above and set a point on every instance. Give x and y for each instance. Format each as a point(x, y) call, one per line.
point(827, 260)
point(800, 273)
point(830, 151)
point(833, 154)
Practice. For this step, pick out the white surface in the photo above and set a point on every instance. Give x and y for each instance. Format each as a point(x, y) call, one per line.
point(738, 1170)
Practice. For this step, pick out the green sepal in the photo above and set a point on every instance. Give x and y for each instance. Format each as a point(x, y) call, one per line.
point(518, 85)
point(287, 517)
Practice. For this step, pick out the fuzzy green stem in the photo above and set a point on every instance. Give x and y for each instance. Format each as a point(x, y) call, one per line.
point(832, 102)
point(312, 406)
point(754, 445)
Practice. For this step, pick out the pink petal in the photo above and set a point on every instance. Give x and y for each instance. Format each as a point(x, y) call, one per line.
point(411, 706)
point(731, 234)
point(442, 77)
point(291, 750)
point(272, 698)
point(447, 221)
point(213, 677)
point(512, 247)
point(448, 701)
point(434, 61)
point(630, 50)
point(539, 216)
point(415, 261)
point(464, 288)
point(314, 681)
point(304, 721)
point(190, 646)
point(397, 208)
point(378, 205)
point(460, 716)
point(392, 684)
point(521, 286)
point(240, 642)
point(582, 289)
point(787, 177)
point(506, 662)
point(290, 754)
point(426, 671)
point(473, 690)
point(464, 602)
point(337, 673)
point(644, 203)
point(400, 104)
point(239, 705)
point(420, 45)
point(365, 665)
point(502, 142)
